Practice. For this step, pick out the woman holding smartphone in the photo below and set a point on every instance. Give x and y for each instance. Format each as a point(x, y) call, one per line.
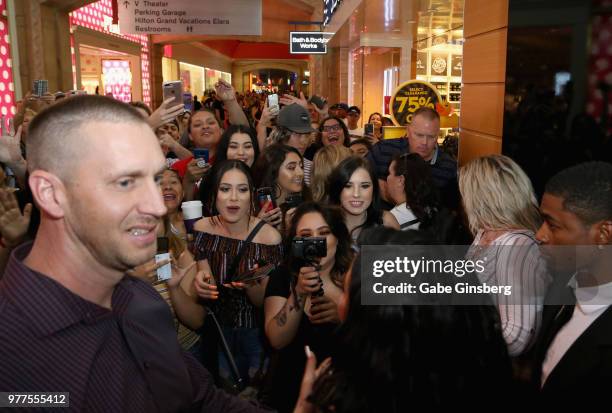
point(280, 168)
point(301, 304)
point(227, 245)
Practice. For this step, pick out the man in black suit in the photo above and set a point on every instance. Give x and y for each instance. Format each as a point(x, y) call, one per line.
point(574, 353)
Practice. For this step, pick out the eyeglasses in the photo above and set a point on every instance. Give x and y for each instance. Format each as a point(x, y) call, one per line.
point(331, 128)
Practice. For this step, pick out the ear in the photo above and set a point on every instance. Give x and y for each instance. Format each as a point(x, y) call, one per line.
point(604, 233)
point(402, 180)
point(48, 192)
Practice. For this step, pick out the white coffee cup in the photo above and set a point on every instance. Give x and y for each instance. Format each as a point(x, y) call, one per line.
point(192, 211)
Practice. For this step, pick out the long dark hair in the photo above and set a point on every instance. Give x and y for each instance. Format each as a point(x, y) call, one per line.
point(342, 175)
point(221, 153)
point(421, 193)
point(333, 217)
point(391, 358)
point(213, 180)
point(265, 170)
point(347, 137)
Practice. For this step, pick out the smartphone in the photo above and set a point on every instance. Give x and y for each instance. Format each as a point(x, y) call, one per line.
point(264, 195)
point(255, 274)
point(201, 155)
point(272, 100)
point(40, 87)
point(294, 200)
point(163, 253)
point(368, 129)
point(188, 101)
point(174, 90)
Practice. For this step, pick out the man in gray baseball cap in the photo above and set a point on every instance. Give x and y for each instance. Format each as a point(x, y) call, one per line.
point(294, 129)
point(295, 118)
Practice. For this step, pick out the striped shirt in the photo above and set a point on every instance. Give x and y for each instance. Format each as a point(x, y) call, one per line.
point(307, 171)
point(514, 259)
point(124, 359)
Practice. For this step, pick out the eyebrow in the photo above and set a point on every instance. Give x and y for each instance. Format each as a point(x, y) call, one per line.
point(550, 218)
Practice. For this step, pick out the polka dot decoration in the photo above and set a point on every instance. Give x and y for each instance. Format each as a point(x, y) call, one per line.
point(7, 89)
point(98, 16)
point(600, 63)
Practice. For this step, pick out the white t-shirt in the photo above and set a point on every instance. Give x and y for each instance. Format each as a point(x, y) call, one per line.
point(355, 134)
point(404, 215)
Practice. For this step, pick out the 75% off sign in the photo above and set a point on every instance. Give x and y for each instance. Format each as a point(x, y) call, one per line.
point(412, 95)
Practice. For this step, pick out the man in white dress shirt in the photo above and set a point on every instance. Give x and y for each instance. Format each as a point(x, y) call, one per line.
point(574, 361)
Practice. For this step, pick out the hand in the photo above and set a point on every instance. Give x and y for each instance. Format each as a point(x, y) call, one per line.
point(289, 100)
point(371, 138)
point(311, 375)
point(178, 273)
point(225, 91)
point(323, 310)
point(165, 113)
point(205, 286)
point(148, 270)
point(323, 112)
point(194, 172)
point(267, 114)
point(236, 285)
point(10, 148)
point(308, 281)
point(13, 224)
point(166, 141)
point(289, 216)
point(272, 217)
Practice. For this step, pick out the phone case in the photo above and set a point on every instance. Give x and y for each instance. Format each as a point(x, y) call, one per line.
point(255, 274)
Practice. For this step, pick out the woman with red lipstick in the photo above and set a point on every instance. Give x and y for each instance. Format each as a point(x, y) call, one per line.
point(354, 187)
point(219, 239)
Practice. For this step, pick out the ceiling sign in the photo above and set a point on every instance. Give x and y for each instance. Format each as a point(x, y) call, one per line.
point(308, 42)
point(227, 17)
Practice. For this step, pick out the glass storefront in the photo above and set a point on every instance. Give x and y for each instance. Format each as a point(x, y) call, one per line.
point(387, 43)
point(213, 76)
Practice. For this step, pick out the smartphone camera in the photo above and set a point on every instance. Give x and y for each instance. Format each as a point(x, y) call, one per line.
point(368, 129)
point(265, 195)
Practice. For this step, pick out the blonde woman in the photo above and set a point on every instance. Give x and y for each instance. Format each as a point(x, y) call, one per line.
point(324, 162)
point(503, 216)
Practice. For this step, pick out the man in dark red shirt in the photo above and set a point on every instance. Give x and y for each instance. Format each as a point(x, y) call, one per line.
point(71, 320)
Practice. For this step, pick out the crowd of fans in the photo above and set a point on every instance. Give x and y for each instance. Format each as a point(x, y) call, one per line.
point(245, 302)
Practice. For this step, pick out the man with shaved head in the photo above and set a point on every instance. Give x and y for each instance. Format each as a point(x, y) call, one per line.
point(70, 319)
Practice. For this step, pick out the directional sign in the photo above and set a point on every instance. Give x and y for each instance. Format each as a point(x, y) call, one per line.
point(227, 17)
